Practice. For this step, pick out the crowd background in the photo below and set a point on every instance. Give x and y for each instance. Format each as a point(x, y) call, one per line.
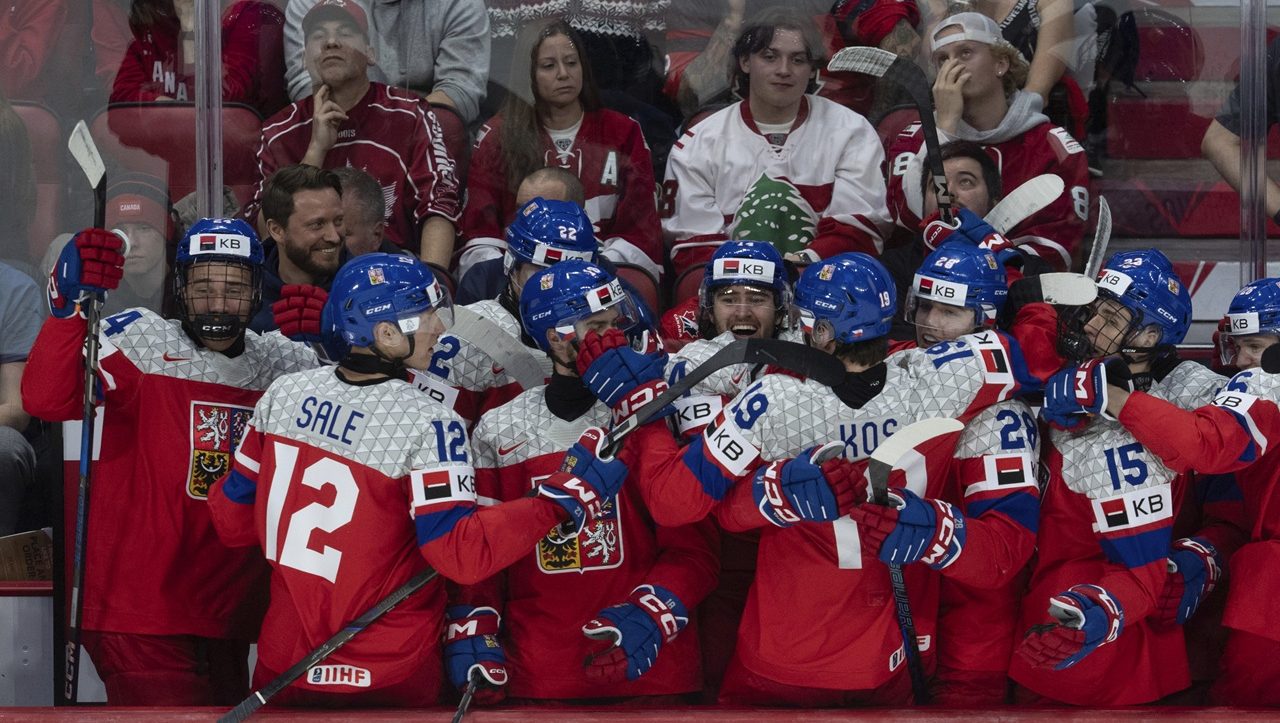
point(1140, 85)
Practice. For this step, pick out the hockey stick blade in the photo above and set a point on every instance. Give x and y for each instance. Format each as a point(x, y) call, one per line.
point(799, 358)
point(505, 350)
point(1101, 238)
point(1031, 197)
point(1067, 289)
point(892, 451)
point(259, 698)
point(85, 152)
point(870, 61)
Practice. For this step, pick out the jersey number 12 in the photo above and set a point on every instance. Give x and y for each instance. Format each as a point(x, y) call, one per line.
point(295, 551)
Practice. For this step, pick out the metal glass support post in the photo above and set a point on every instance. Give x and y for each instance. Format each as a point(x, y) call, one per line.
point(1253, 140)
point(208, 104)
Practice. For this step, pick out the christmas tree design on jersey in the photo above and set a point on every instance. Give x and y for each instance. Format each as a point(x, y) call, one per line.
point(773, 210)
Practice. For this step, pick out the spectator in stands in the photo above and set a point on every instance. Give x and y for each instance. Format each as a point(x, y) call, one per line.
point(21, 313)
point(352, 121)
point(700, 35)
point(623, 43)
point(974, 181)
point(1221, 143)
point(783, 166)
point(138, 205)
point(438, 50)
point(17, 189)
point(302, 209)
point(27, 34)
point(159, 64)
point(486, 279)
point(553, 117)
point(364, 218)
point(977, 98)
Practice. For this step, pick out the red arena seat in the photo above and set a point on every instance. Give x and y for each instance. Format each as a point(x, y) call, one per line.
point(48, 146)
point(644, 284)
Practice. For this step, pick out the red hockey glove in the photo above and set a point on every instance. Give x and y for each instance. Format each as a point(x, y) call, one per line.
point(1086, 618)
point(298, 311)
point(90, 263)
point(912, 529)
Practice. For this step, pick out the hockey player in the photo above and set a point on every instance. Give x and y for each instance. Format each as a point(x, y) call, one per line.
point(744, 294)
point(960, 289)
point(543, 233)
point(741, 467)
point(1232, 434)
point(631, 581)
point(168, 611)
point(977, 98)
point(783, 166)
point(1110, 503)
point(342, 454)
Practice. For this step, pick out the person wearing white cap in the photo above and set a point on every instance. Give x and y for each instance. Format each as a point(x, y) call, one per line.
point(977, 98)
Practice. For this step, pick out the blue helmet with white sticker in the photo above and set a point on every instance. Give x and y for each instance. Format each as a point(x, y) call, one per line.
point(545, 232)
point(1255, 309)
point(217, 278)
point(960, 274)
point(752, 264)
point(563, 296)
point(847, 298)
point(1145, 282)
point(377, 287)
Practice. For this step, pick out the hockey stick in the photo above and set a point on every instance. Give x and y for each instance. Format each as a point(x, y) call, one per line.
point(1032, 196)
point(795, 357)
point(883, 459)
point(1101, 237)
point(467, 695)
point(505, 350)
point(85, 153)
point(905, 74)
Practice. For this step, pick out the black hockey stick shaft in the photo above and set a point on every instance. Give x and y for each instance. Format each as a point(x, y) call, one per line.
point(86, 155)
point(470, 692)
point(259, 698)
point(904, 73)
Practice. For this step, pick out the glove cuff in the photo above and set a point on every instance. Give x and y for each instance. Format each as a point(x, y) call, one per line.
point(465, 621)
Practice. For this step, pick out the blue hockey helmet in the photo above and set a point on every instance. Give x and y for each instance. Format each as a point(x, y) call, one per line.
point(1255, 309)
point(545, 232)
point(1145, 284)
point(847, 298)
point(960, 274)
point(562, 296)
point(221, 305)
point(746, 263)
point(377, 287)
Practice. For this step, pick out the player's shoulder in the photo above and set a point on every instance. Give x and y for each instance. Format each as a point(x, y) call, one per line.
point(147, 339)
point(830, 114)
point(709, 130)
point(1255, 382)
point(699, 350)
point(1058, 139)
point(947, 377)
point(278, 354)
point(1189, 385)
point(1008, 426)
point(494, 311)
point(524, 428)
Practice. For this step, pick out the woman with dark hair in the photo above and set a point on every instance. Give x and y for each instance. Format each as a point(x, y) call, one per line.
point(553, 118)
point(159, 64)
